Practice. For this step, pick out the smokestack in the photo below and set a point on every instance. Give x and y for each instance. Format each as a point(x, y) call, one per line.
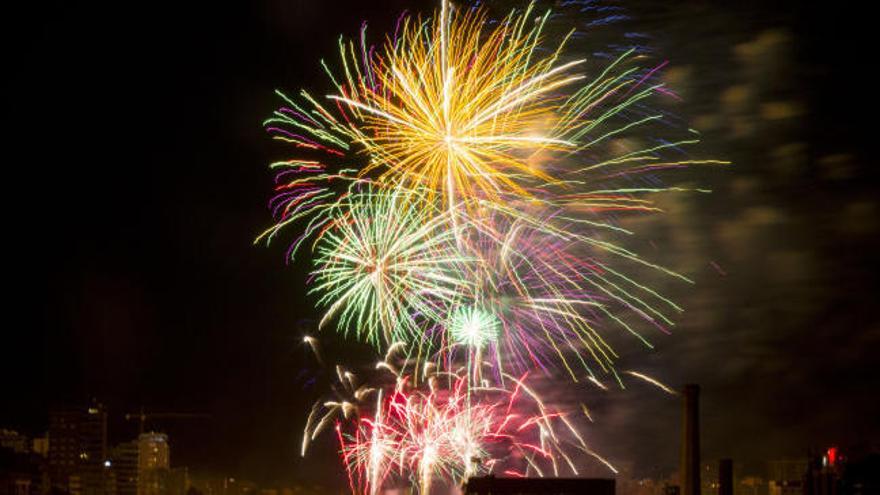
point(725, 477)
point(690, 442)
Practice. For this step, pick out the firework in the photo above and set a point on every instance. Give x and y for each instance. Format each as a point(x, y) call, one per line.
point(473, 326)
point(546, 295)
point(460, 190)
point(469, 113)
point(347, 395)
point(386, 269)
point(458, 109)
point(303, 191)
point(454, 430)
point(446, 125)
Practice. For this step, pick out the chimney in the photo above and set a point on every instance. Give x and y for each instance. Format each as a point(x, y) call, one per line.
point(690, 445)
point(725, 477)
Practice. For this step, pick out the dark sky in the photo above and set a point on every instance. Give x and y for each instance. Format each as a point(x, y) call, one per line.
point(136, 179)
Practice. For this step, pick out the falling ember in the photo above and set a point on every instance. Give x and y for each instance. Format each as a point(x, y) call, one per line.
point(652, 381)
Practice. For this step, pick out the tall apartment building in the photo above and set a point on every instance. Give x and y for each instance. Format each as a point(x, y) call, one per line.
point(153, 464)
point(178, 481)
point(124, 462)
point(78, 450)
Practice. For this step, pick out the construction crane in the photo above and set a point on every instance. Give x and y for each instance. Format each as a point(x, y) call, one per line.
point(141, 417)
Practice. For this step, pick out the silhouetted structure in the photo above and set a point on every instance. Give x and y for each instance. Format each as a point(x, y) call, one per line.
point(690, 442)
point(124, 462)
point(862, 474)
point(786, 476)
point(725, 477)
point(490, 485)
point(78, 450)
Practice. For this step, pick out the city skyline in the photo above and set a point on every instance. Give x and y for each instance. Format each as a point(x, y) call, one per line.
point(90, 464)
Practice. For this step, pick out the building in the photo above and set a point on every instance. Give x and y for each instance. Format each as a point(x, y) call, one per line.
point(40, 445)
point(690, 441)
point(241, 487)
point(14, 441)
point(22, 473)
point(124, 463)
point(625, 485)
point(750, 485)
point(725, 477)
point(539, 486)
point(824, 473)
point(213, 485)
point(178, 481)
point(709, 478)
point(786, 477)
point(153, 466)
point(78, 450)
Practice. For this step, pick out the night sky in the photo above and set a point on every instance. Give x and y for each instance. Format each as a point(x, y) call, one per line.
point(136, 180)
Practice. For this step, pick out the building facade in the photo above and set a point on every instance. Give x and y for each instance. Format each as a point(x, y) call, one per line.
point(124, 463)
point(153, 464)
point(78, 451)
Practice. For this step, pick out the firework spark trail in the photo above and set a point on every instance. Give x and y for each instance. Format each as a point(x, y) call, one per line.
point(391, 272)
point(468, 114)
point(454, 431)
point(472, 118)
point(532, 276)
point(459, 189)
point(652, 381)
point(385, 266)
point(347, 396)
point(453, 119)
